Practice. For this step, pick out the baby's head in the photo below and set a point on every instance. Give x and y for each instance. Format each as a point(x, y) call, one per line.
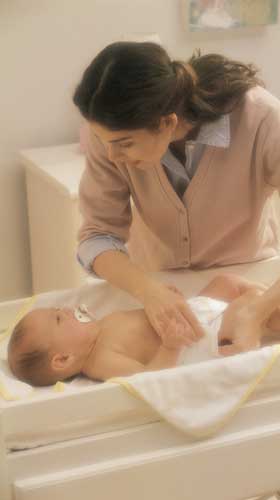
point(48, 345)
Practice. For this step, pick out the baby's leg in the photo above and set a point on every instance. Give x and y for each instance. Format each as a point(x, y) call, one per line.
point(272, 328)
point(228, 287)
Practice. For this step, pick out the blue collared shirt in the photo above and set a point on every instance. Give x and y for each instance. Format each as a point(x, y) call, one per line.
point(211, 134)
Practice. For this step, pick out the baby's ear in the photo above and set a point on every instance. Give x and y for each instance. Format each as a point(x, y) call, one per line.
point(62, 362)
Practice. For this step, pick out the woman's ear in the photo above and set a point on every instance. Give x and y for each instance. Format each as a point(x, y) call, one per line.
point(62, 362)
point(168, 122)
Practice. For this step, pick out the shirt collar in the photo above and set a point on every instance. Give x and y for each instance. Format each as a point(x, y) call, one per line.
point(211, 134)
point(215, 133)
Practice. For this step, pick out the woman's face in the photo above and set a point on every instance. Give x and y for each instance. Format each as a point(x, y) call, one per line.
point(136, 146)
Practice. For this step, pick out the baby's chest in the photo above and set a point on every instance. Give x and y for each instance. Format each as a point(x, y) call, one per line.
point(132, 336)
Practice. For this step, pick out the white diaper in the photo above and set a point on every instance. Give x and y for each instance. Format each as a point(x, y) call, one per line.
point(209, 312)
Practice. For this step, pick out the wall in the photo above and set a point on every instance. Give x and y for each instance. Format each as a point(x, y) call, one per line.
point(44, 47)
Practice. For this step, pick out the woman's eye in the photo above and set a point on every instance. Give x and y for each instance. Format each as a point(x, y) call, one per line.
point(126, 145)
point(58, 319)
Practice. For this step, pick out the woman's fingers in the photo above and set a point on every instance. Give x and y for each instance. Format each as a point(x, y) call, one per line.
point(174, 289)
point(181, 336)
point(159, 325)
point(174, 335)
point(169, 304)
point(179, 321)
point(192, 322)
point(186, 316)
point(187, 329)
point(192, 329)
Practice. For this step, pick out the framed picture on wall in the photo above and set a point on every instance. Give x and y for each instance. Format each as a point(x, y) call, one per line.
point(229, 14)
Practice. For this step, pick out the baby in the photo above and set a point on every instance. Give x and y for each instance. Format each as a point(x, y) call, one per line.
point(49, 345)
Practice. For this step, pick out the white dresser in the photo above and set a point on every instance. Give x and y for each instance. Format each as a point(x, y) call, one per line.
point(52, 181)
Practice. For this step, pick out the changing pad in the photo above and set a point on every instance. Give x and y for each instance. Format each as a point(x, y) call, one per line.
point(123, 411)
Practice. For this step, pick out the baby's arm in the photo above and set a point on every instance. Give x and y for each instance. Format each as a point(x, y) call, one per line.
point(113, 364)
point(108, 364)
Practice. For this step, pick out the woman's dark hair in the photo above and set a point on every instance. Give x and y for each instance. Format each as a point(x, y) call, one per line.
point(131, 85)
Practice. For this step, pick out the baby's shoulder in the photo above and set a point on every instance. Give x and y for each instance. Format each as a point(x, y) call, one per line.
point(108, 342)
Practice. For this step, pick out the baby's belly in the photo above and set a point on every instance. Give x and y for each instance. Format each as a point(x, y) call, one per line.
point(209, 313)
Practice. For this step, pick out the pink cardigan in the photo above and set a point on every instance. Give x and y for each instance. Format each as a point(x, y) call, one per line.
point(226, 215)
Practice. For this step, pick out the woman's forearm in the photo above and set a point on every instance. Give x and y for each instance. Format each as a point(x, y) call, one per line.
point(160, 301)
point(117, 268)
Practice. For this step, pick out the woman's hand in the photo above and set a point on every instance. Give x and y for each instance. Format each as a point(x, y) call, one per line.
point(241, 329)
point(173, 337)
point(169, 314)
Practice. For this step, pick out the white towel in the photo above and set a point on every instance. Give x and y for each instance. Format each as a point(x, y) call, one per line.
point(202, 395)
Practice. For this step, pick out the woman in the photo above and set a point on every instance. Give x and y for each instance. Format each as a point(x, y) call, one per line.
point(182, 159)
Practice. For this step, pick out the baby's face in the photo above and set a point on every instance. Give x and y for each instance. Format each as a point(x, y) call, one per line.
point(59, 328)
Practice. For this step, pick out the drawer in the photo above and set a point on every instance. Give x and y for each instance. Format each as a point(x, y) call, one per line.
point(231, 467)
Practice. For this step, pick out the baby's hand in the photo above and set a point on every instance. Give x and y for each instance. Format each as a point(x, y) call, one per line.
point(173, 336)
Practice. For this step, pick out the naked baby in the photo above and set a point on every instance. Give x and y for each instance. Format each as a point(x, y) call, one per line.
point(51, 344)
